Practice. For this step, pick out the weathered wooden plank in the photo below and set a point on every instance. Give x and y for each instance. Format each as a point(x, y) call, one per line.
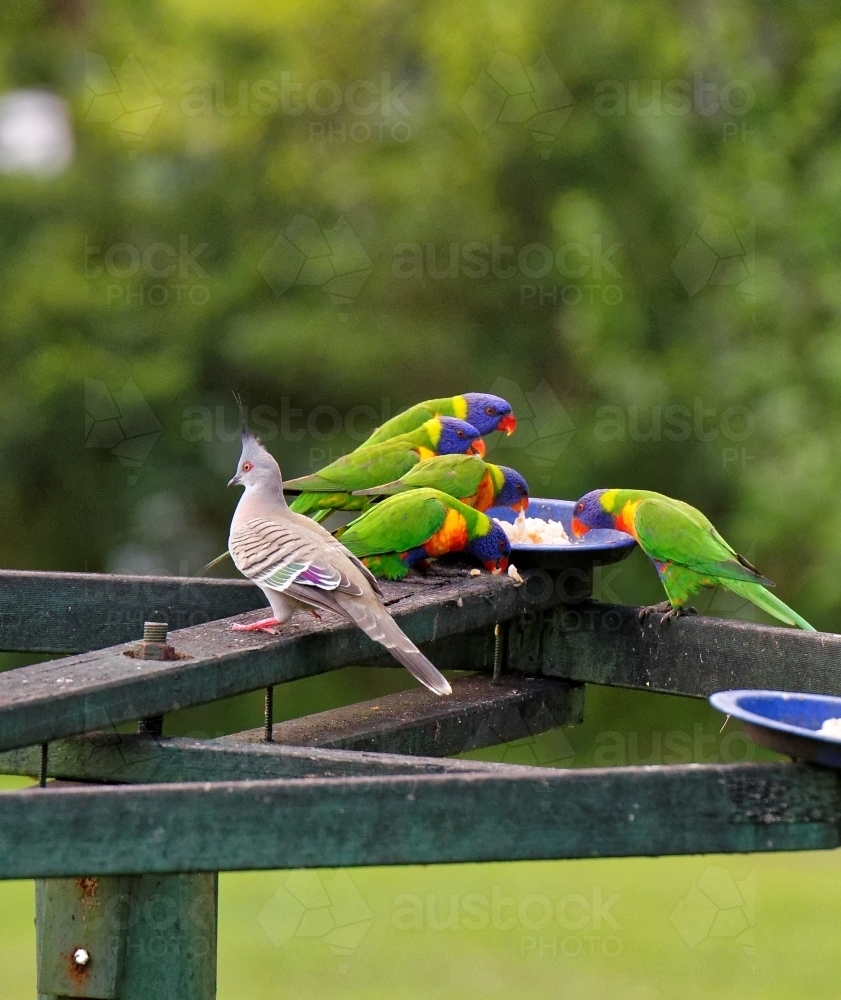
point(607, 644)
point(420, 819)
point(135, 758)
point(97, 690)
point(76, 612)
point(478, 714)
point(413, 722)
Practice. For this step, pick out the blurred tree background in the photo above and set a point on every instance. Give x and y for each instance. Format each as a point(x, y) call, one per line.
point(624, 218)
point(629, 215)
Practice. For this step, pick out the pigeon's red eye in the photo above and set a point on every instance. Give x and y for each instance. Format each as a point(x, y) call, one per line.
point(247, 466)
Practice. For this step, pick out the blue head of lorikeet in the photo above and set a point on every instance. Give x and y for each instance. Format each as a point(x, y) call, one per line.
point(492, 548)
point(514, 492)
point(458, 437)
point(590, 512)
point(489, 413)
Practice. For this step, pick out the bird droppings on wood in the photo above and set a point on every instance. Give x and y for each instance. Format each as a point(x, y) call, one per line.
point(79, 967)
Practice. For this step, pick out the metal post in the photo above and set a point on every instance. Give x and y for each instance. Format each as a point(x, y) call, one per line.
point(141, 937)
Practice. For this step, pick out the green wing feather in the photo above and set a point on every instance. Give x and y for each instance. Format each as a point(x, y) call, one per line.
point(456, 475)
point(398, 524)
point(672, 531)
point(359, 470)
point(409, 420)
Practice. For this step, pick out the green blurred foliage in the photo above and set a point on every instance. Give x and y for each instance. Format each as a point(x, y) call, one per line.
point(710, 119)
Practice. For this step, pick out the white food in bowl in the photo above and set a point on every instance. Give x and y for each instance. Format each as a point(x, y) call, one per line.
point(831, 727)
point(535, 531)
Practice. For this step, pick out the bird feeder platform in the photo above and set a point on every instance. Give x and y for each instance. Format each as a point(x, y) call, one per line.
point(136, 826)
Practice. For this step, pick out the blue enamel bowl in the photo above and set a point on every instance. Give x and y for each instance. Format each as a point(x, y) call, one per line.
point(787, 723)
point(597, 547)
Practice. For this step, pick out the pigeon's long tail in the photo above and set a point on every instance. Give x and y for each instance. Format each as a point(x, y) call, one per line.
point(377, 624)
point(764, 599)
point(367, 613)
point(382, 627)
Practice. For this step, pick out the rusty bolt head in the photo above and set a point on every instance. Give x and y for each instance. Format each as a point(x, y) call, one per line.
point(81, 958)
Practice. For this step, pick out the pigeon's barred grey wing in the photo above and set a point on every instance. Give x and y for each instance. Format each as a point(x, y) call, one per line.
point(276, 556)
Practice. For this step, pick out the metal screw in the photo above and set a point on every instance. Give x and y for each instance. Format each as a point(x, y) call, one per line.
point(268, 715)
point(155, 631)
point(81, 958)
point(153, 647)
point(498, 651)
point(42, 771)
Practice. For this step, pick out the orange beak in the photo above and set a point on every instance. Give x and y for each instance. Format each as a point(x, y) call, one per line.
point(496, 566)
point(521, 505)
point(579, 528)
point(477, 448)
point(508, 424)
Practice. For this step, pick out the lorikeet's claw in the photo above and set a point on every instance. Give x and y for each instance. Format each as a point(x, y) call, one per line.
point(683, 612)
point(264, 625)
point(654, 609)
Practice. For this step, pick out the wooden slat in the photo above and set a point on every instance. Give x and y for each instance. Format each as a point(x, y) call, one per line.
point(76, 612)
point(95, 691)
point(607, 644)
point(325, 822)
point(478, 714)
point(137, 758)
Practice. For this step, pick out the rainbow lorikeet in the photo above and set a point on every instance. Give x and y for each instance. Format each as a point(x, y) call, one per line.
point(332, 487)
point(684, 546)
point(410, 528)
point(468, 478)
point(485, 412)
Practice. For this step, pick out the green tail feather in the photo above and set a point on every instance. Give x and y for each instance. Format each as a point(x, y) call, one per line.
point(386, 490)
point(312, 503)
point(764, 599)
point(216, 561)
point(389, 566)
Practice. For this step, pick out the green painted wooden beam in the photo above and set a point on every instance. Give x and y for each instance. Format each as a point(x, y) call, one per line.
point(478, 714)
point(413, 722)
point(420, 819)
point(607, 644)
point(135, 758)
point(95, 691)
point(75, 612)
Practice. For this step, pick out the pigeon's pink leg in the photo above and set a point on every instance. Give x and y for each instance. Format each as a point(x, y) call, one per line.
point(264, 625)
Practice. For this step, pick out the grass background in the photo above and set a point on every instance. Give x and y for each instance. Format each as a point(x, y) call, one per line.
point(798, 909)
